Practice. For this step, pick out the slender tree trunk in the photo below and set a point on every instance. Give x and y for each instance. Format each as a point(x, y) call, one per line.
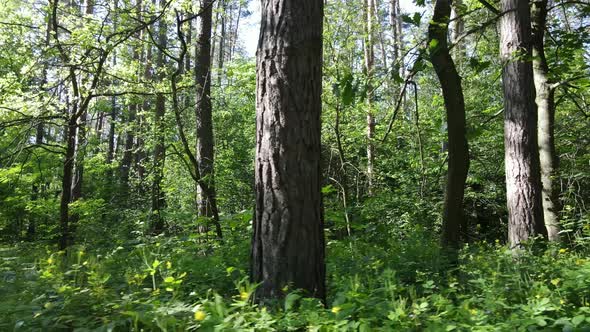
point(369, 68)
point(450, 81)
point(80, 152)
point(545, 99)
point(131, 120)
point(207, 203)
point(40, 130)
point(523, 178)
point(221, 52)
point(158, 196)
point(66, 185)
point(113, 116)
point(395, 21)
point(288, 240)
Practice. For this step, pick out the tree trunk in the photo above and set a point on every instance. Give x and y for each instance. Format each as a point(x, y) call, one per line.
point(158, 196)
point(369, 67)
point(545, 100)
point(453, 218)
point(523, 181)
point(395, 21)
point(80, 152)
point(203, 112)
point(221, 52)
point(131, 119)
point(113, 115)
point(66, 184)
point(288, 240)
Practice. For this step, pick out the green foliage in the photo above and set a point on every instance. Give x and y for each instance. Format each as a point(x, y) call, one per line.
point(400, 281)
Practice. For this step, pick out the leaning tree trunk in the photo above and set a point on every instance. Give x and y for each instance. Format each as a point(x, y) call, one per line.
point(207, 203)
point(288, 240)
point(453, 218)
point(546, 122)
point(523, 178)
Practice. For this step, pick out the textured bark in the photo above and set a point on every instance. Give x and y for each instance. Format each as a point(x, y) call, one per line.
point(545, 99)
point(369, 68)
point(523, 181)
point(203, 113)
point(288, 240)
point(159, 156)
point(66, 184)
point(450, 81)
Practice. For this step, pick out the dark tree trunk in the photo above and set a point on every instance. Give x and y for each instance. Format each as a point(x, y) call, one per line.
point(207, 202)
point(288, 239)
point(113, 116)
point(128, 151)
point(158, 196)
point(369, 65)
point(523, 178)
point(546, 122)
point(450, 81)
point(66, 184)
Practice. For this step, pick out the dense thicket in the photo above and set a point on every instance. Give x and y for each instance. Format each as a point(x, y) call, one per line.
point(386, 157)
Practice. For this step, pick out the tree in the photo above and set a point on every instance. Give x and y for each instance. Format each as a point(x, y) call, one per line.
point(523, 181)
point(458, 150)
point(545, 99)
point(288, 239)
point(159, 153)
point(203, 112)
point(369, 68)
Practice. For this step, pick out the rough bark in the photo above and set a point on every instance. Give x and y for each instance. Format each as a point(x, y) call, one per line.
point(203, 111)
point(288, 240)
point(458, 150)
point(545, 99)
point(523, 181)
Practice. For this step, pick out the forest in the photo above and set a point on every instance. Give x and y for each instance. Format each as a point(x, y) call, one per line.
point(294, 165)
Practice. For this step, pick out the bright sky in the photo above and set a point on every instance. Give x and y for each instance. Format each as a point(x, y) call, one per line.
point(249, 27)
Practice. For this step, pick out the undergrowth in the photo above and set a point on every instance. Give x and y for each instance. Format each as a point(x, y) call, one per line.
point(390, 282)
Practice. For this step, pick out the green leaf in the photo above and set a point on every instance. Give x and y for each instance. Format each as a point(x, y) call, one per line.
point(578, 319)
point(290, 300)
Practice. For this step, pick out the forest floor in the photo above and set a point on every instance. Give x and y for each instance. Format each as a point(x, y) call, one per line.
point(376, 283)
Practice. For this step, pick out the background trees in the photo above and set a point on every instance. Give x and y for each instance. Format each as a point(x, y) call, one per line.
point(118, 119)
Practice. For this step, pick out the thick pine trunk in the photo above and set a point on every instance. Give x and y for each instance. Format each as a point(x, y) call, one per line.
point(453, 218)
point(546, 122)
point(523, 178)
point(288, 239)
point(207, 203)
